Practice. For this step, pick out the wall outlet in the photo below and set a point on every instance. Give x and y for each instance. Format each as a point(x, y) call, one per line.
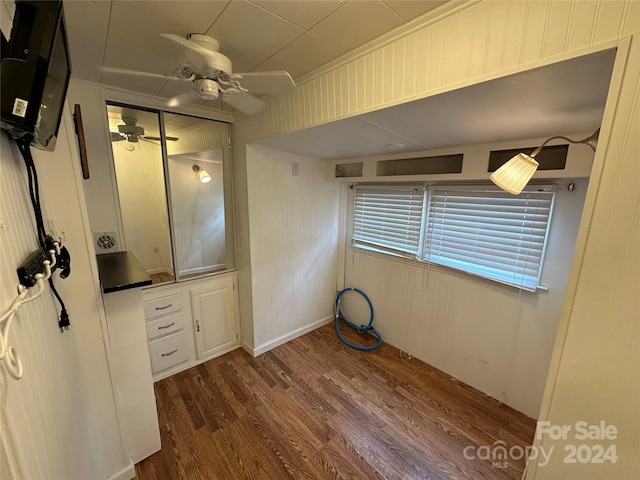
point(156, 249)
point(295, 169)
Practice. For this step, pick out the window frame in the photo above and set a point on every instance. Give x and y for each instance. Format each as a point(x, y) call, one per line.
point(424, 256)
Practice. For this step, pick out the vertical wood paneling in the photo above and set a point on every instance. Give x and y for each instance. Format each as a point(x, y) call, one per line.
point(457, 44)
point(410, 66)
point(378, 72)
point(582, 24)
point(295, 219)
point(608, 20)
point(497, 12)
point(344, 91)
point(400, 71)
point(514, 38)
point(479, 19)
point(534, 33)
point(60, 417)
point(557, 27)
point(436, 56)
point(353, 87)
point(332, 93)
point(369, 81)
point(423, 60)
point(361, 85)
point(388, 74)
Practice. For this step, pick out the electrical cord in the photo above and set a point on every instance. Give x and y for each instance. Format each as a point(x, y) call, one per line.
point(362, 329)
point(45, 241)
point(8, 353)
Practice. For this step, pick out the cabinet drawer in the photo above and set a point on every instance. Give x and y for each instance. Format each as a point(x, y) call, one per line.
point(168, 351)
point(162, 306)
point(165, 325)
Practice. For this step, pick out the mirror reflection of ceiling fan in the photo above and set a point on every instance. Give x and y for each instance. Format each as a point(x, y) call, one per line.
point(213, 77)
point(132, 133)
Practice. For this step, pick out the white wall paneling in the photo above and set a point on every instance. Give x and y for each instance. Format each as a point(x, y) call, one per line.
point(294, 231)
point(61, 416)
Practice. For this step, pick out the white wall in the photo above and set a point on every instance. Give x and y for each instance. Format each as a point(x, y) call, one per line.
point(593, 373)
point(293, 223)
point(493, 337)
point(60, 419)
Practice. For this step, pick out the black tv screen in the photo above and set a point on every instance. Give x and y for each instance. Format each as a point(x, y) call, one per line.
point(35, 73)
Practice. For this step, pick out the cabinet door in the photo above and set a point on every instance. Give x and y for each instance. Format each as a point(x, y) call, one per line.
point(214, 318)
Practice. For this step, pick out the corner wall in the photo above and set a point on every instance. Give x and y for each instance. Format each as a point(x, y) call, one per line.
point(293, 222)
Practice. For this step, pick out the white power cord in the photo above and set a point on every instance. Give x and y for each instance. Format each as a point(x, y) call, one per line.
point(8, 353)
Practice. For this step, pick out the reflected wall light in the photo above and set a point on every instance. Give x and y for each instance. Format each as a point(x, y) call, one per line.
point(516, 173)
point(202, 174)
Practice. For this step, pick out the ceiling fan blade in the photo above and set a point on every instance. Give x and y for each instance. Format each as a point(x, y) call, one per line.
point(171, 139)
point(244, 102)
point(181, 98)
point(116, 137)
point(124, 71)
point(266, 83)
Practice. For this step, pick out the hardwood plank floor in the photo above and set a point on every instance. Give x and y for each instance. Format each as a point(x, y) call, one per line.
point(316, 409)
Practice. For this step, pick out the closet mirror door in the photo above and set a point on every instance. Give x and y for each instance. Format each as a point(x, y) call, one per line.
point(198, 165)
point(139, 172)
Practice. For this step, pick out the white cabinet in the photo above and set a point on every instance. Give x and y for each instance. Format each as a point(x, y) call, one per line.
point(190, 322)
point(215, 318)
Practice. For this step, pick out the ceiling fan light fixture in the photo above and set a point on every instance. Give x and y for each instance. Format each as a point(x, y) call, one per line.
point(207, 89)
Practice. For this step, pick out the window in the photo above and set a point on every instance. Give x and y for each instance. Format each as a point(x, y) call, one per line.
point(479, 230)
point(388, 219)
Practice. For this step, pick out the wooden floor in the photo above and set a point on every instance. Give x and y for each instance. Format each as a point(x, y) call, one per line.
point(316, 409)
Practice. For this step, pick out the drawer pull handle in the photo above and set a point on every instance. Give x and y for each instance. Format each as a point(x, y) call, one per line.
point(167, 354)
point(165, 307)
point(167, 326)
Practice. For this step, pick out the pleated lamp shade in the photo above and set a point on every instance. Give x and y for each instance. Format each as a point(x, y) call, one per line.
point(515, 174)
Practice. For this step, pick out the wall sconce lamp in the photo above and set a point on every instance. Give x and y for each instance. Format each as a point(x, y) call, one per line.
point(516, 173)
point(202, 174)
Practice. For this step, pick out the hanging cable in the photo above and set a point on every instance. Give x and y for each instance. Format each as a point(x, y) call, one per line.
point(8, 353)
point(362, 329)
point(46, 241)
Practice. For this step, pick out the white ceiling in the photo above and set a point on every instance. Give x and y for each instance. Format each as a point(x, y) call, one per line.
point(297, 36)
point(302, 35)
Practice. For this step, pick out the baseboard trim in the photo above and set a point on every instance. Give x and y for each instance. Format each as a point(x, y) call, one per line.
point(127, 473)
point(265, 347)
point(247, 348)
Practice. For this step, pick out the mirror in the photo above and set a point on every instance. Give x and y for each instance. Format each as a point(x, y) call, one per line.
point(198, 166)
point(175, 202)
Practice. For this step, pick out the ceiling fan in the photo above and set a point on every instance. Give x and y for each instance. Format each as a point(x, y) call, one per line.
point(132, 133)
point(212, 75)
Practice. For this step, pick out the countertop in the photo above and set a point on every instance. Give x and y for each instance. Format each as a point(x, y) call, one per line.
point(121, 271)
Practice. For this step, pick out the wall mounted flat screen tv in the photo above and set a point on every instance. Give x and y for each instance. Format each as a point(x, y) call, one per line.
point(34, 73)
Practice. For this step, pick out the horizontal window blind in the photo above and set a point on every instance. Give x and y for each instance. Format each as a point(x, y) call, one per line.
point(388, 218)
point(489, 233)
